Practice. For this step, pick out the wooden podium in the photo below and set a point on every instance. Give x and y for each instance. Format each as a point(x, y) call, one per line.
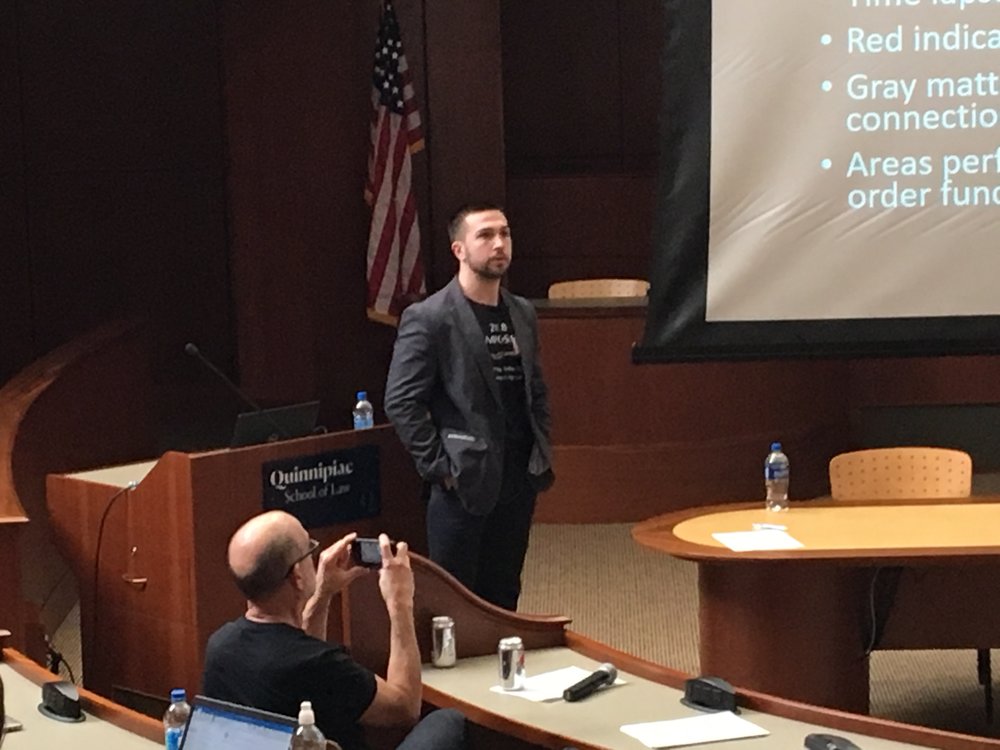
point(162, 585)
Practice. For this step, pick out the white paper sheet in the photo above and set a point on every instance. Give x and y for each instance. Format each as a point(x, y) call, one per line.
point(549, 686)
point(693, 730)
point(759, 539)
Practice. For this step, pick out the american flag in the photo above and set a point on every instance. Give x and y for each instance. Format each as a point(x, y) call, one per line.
point(395, 269)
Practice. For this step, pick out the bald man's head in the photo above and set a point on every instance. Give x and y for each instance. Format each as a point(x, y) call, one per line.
point(262, 550)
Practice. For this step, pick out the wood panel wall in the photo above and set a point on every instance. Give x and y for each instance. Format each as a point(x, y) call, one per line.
point(200, 165)
point(16, 340)
point(297, 111)
point(633, 441)
point(111, 173)
point(581, 100)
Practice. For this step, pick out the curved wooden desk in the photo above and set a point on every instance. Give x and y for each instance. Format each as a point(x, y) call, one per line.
point(87, 402)
point(653, 691)
point(797, 623)
point(108, 726)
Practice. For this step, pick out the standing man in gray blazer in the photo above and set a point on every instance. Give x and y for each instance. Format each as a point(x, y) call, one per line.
point(466, 396)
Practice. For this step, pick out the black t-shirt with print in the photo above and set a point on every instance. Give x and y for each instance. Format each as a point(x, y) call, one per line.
point(501, 342)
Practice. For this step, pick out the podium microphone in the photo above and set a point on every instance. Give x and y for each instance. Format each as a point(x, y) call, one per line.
point(129, 486)
point(605, 674)
point(193, 351)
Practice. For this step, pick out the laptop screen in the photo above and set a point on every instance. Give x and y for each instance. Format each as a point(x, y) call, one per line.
point(217, 725)
point(279, 423)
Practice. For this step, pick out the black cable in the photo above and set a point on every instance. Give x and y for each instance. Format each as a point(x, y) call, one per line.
point(890, 586)
point(72, 677)
point(97, 552)
point(52, 657)
point(874, 617)
point(57, 660)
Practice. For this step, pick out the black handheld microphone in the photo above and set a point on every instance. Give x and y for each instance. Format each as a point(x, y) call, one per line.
point(193, 351)
point(605, 674)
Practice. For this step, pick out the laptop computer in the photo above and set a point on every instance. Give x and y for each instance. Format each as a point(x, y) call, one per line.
point(10, 724)
point(279, 423)
point(218, 725)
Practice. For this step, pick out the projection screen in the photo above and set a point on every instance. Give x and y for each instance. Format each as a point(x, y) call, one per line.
point(829, 180)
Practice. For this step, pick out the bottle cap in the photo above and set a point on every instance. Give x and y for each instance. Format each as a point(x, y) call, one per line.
point(775, 446)
point(177, 695)
point(306, 715)
point(362, 395)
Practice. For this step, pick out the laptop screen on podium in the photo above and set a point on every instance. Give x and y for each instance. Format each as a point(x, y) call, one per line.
point(279, 423)
point(217, 725)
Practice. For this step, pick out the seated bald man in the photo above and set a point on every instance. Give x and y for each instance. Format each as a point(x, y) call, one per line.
point(276, 655)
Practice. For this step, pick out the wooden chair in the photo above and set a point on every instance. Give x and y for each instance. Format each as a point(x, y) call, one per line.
point(596, 288)
point(889, 473)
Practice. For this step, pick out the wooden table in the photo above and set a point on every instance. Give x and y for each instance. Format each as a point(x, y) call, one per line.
point(595, 722)
point(499, 722)
point(107, 726)
point(798, 623)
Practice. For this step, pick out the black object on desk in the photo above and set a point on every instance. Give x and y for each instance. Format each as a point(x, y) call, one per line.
point(61, 701)
point(710, 694)
point(606, 674)
point(270, 425)
point(829, 742)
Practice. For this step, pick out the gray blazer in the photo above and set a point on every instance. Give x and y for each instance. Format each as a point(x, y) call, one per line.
point(445, 403)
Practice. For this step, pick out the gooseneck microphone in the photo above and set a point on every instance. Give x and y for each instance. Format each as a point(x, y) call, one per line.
point(605, 674)
point(97, 550)
point(193, 351)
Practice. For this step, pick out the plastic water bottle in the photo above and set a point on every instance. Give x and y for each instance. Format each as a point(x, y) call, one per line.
point(776, 479)
point(307, 736)
point(175, 719)
point(364, 414)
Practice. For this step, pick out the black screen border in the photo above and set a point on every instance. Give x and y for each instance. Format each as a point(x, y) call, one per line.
point(676, 329)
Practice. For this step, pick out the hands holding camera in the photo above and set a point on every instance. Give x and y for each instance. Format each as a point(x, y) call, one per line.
point(349, 558)
point(395, 579)
point(335, 569)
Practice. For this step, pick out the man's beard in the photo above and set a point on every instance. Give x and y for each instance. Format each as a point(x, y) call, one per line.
point(489, 270)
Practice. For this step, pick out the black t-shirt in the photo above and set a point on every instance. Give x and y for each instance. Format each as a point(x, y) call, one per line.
point(501, 342)
point(274, 667)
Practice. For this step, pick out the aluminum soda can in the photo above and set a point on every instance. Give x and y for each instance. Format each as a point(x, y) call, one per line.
point(510, 653)
point(443, 641)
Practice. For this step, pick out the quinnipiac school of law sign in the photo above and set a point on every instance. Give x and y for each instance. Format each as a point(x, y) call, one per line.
point(325, 488)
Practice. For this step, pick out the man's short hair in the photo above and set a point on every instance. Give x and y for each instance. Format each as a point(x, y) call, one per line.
point(458, 218)
point(269, 569)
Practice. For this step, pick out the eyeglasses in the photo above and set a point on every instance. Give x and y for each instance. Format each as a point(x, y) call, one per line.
point(313, 550)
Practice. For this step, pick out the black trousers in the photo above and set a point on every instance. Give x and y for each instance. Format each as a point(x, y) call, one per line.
point(439, 730)
point(485, 553)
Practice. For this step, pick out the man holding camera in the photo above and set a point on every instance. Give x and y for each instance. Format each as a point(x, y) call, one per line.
point(276, 655)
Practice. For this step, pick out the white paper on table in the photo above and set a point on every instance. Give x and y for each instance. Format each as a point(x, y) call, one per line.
point(549, 686)
point(758, 539)
point(693, 730)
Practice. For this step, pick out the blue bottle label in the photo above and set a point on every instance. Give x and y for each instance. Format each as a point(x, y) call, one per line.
point(173, 737)
point(776, 472)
